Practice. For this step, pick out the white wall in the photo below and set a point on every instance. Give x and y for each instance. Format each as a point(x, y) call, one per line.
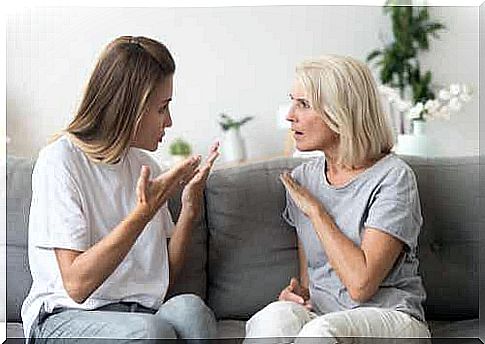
point(455, 58)
point(234, 59)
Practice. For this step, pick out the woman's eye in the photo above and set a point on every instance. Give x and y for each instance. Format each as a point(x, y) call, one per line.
point(163, 109)
point(303, 105)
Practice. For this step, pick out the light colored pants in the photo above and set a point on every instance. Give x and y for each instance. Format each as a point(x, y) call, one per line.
point(286, 322)
point(183, 316)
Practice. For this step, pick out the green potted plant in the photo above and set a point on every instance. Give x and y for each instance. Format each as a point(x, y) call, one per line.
point(226, 122)
point(399, 61)
point(400, 69)
point(233, 148)
point(180, 149)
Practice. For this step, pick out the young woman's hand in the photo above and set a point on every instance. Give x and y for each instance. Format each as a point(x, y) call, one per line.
point(303, 199)
point(153, 193)
point(295, 292)
point(193, 191)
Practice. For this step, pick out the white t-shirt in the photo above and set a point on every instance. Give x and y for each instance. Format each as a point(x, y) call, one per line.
point(75, 203)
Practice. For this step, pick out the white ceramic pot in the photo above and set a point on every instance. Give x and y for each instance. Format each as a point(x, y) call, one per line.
point(417, 143)
point(233, 147)
point(419, 128)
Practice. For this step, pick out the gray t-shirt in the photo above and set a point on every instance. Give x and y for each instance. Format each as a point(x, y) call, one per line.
point(384, 197)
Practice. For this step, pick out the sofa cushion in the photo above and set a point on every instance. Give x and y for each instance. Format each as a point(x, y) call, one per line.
point(227, 329)
point(192, 277)
point(252, 251)
point(449, 241)
point(454, 329)
point(19, 193)
point(14, 330)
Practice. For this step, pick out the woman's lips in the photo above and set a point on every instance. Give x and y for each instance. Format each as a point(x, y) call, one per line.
point(297, 134)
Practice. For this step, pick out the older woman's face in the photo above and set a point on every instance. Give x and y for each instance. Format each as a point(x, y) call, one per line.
point(309, 129)
point(157, 117)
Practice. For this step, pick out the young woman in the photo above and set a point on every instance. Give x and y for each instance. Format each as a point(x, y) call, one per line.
point(99, 220)
point(357, 214)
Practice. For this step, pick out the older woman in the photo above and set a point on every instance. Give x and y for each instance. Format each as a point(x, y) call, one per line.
point(99, 223)
point(357, 214)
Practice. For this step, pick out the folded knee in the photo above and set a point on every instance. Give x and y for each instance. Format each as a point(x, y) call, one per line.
point(190, 301)
point(280, 318)
point(322, 328)
point(152, 327)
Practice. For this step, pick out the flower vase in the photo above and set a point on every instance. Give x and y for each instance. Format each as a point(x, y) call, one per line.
point(416, 143)
point(419, 127)
point(233, 148)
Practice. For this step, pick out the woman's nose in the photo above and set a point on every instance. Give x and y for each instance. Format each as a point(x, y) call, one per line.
point(290, 116)
point(168, 121)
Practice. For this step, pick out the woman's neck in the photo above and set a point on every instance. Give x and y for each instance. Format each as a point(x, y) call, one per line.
point(340, 174)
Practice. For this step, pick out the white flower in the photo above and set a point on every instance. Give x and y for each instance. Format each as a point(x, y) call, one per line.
point(431, 105)
point(466, 89)
point(444, 94)
point(455, 89)
point(455, 104)
point(416, 110)
point(444, 113)
point(465, 97)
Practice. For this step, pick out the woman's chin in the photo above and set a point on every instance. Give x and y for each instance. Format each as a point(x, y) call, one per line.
point(304, 148)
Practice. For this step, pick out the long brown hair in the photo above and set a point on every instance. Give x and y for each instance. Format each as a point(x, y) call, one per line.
point(125, 76)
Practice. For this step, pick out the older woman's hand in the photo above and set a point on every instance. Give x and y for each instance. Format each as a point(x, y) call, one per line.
point(195, 184)
point(295, 292)
point(303, 199)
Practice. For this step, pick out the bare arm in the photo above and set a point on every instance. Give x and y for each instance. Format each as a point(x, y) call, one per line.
point(83, 272)
point(178, 244)
point(361, 269)
point(297, 290)
point(303, 266)
point(192, 198)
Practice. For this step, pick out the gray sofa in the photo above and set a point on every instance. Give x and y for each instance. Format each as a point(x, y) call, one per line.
point(243, 253)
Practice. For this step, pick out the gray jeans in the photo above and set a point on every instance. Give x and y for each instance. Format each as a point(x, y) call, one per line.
point(183, 316)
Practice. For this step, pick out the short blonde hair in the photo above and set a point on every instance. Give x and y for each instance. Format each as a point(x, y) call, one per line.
point(116, 96)
point(344, 92)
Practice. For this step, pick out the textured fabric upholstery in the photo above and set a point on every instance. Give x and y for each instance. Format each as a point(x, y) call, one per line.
point(252, 251)
point(449, 241)
point(19, 193)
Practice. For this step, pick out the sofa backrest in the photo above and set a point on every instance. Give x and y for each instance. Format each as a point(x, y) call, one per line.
point(19, 194)
point(252, 252)
point(449, 240)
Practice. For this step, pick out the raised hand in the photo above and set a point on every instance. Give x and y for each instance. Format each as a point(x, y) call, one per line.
point(153, 193)
point(194, 188)
point(295, 292)
point(303, 199)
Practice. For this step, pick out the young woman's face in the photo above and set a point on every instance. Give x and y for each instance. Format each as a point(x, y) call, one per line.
point(157, 117)
point(309, 129)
